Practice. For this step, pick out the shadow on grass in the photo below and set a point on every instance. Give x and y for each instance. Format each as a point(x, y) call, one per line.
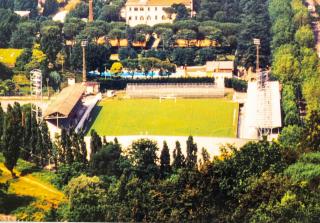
point(12, 202)
point(29, 170)
point(94, 114)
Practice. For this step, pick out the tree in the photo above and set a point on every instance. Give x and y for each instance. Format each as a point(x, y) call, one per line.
point(6, 4)
point(50, 7)
point(186, 35)
point(182, 57)
point(178, 157)
point(181, 11)
point(107, 161)
point(304, 36)
point(95, 143)
point(312, 133)
point(97, 56)
point(86, 199)
point(285, 64)
point(8, 23)
point(131, 65)
point(26, 5)
point(51, 41)
point(5, 72)
point(47, 148)
point(12, 135)
point(192, 150)
point(116, 68)
point(291, 137)
point(117, 34)
point(109, 13)
point(165, 167)
point(142, 154)
point(24, 35)
point(127, 53)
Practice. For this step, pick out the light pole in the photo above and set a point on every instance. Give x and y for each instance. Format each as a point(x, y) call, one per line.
point(257, 43)
point(84, 43)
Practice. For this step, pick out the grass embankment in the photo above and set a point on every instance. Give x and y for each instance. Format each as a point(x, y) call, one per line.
point(31, 194)
point(197, 117)
point(9, 56)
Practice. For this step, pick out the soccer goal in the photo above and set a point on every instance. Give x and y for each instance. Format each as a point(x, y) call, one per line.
point(168, 97)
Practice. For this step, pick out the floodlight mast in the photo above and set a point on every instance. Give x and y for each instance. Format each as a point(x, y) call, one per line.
point(84, 44)
point(36, 92)
point(257, 43)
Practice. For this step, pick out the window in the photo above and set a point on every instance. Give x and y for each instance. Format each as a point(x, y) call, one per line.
point(163, 17)
point(148, 18)
point(135, 9)
point(136, 18)
point(155, 8)
point(141, 9)
point(130, 9)
point(130, 17)
point(148, 8)
point(156, 17)
point(141, 18)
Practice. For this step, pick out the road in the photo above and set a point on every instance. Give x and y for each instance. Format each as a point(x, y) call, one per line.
point(315, 24)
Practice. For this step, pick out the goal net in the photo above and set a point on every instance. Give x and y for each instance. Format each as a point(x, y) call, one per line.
point(168, 97)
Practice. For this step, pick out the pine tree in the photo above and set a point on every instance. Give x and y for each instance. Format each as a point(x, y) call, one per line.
point(95, 143)
point(39, 148)
point(12, 137)
point(26, 152)
point(178, 157)
point(165, 167)
point(47, 144)
point(191, 159)
point(33, 138)
point(205, 160)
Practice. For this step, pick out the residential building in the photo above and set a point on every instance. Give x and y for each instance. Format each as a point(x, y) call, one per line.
point(151, 12)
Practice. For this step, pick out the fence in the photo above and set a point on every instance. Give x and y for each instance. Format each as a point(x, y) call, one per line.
point(178, 90)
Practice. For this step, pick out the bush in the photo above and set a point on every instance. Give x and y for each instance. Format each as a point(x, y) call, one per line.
point(236, 84)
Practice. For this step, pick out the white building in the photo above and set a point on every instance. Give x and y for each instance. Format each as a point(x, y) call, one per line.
point(151, 12)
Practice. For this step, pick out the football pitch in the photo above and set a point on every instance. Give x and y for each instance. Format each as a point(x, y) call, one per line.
point(197, 117)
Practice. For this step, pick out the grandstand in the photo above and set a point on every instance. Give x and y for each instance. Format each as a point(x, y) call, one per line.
point(185, 90)
point(262, 110)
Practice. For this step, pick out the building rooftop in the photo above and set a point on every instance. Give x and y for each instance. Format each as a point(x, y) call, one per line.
point(223, 65)
point(157, 2)
point(64, 103)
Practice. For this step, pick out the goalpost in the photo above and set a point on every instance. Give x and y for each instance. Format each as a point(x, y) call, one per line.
point(168, 97)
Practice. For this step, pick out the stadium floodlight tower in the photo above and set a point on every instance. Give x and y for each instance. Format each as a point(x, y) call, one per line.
point(84, 44)
point(36, 93)
point(257, 43)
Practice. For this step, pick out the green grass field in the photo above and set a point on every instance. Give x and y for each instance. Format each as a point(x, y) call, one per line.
point(9, 56)
point(197, 117)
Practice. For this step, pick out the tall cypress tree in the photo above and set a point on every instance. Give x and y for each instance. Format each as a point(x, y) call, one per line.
point(178, 157)
point(12, 137)
point(95, 143)
point(33, 138)
point(25, 153)
point(165, 167)
point(39, 159)
point(47, 144)
point(191, 159)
